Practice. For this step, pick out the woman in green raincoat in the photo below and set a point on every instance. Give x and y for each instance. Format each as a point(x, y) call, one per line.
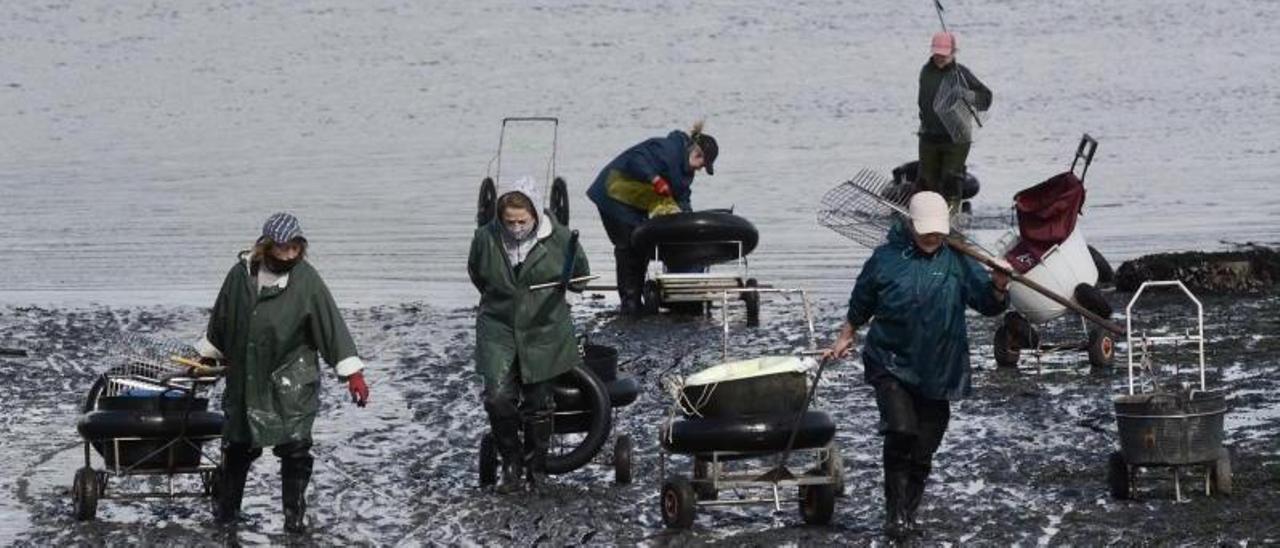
point(524, 337)
point(272, 320)
point(914, 291)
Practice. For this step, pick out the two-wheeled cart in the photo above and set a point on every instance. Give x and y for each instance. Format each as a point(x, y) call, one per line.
point(148, 417)
point(742, 423)
point(1167, 422)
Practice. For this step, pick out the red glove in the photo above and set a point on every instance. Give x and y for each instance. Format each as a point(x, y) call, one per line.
point(661, 186)
point(359, 390)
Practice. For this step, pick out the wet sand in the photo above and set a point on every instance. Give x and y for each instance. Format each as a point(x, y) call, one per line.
point(1023, 461)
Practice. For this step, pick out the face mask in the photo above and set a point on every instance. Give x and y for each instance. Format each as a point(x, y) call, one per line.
point(278, 266)
point(519, 234)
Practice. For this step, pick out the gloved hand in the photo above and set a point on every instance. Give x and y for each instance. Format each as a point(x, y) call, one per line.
point(661, 187)
point(359, 390)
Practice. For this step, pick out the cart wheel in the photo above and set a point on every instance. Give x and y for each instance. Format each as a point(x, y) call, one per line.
point(102, 484)
point(834, 467)
point(678, 503)
point(84, 494)
point(649, 297)
point(1106, 276)
point(488, 461)
point(753, 304)
point(817, 503)
point(1102, 348)
point(487, 204)
point(622, 460)
point(1005, 350)
point(702, 471)
point(1220, 474)
point(1118, 477)
point(560, 201)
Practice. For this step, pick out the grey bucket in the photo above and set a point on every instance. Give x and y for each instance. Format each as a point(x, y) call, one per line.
point(1170, 428)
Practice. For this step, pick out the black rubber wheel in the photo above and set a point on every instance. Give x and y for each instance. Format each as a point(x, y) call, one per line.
point(679, 504)
point(752, 301)
point(1102, 348)
point(1220, 474)
point(817, 503)
point(622, 460)
point(1006, 352)
point(598, 431)
point(1118, 477)
point(1021, 332)
point(650, 298)
point(1093, 300)
point(102, 484)
point(488, 460)
point(560, 201)
point(1106, 276)
point(84, 494)
point(486, 205)
point(702, 480)
point(834, 466)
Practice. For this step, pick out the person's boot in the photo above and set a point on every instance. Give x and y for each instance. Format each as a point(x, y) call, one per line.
point(629, 289)
point(235, 471)
point(506, 436)
point(295, 475)
point(537, 442)
point(896, 526)
point(914, 494)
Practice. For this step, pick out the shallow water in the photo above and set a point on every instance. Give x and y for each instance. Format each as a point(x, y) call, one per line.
point(145, 143)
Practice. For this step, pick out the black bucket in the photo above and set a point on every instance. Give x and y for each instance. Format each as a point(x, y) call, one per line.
point(1171, 428)
point(601, 360)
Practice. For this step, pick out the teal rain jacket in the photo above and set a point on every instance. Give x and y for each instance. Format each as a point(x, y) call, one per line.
point(916, 305)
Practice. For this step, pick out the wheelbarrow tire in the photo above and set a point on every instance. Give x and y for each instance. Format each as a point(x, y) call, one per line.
point(1118, 477)
point(1102, 348)
point(817, 502)
point(834, 466)
point(679, 503)
point(84, 494)
point(752, 300)
point(601, 421)
point(486, 205)
point(488, 460)
point(1106, 276)
point(622, 460)
point(560, 201)
point(1220, 474)
point(1006, 352)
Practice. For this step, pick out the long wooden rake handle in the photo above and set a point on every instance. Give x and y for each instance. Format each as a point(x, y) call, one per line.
point(962, 246)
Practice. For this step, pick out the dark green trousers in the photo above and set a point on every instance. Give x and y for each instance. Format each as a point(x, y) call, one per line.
point(939, 163)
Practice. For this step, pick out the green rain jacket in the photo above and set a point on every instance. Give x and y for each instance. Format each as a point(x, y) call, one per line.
point(515, 324)
point(916, 304)
point(270, 340)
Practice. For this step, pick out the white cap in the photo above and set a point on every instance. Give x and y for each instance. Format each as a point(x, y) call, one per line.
point(929, 213)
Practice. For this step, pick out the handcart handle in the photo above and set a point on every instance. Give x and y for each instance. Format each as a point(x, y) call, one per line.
point(1092, 145)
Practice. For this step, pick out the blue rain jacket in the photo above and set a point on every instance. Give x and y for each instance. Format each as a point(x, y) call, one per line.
point(666, 156)
point(916, 305)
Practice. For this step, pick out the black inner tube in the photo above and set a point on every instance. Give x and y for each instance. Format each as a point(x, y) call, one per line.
point(696, 239)
point(597, 397)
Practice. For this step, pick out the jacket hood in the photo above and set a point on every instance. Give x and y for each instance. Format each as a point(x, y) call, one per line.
point(528, 186)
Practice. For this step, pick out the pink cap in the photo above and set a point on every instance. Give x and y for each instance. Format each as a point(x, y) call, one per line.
point(944, 43)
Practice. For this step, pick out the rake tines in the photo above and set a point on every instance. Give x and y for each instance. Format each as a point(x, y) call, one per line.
point(864, 207)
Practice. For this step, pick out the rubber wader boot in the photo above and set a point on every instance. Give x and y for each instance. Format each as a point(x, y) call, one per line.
point(915, 493)
point(506, 435)
point(537, 441)
point(236, 462)
point(629, 286)
point(295, 474)
point(897, 479)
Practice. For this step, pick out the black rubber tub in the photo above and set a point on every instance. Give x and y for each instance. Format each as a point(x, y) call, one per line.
point(601, 360)
point(753, 434)
point(623, 391)
point(1171, 428)
point(696, 240)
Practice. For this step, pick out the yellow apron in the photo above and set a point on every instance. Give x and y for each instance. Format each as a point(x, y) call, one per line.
point(639, 194)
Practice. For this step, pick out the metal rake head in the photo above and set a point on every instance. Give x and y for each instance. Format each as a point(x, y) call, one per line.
point(865, 207)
